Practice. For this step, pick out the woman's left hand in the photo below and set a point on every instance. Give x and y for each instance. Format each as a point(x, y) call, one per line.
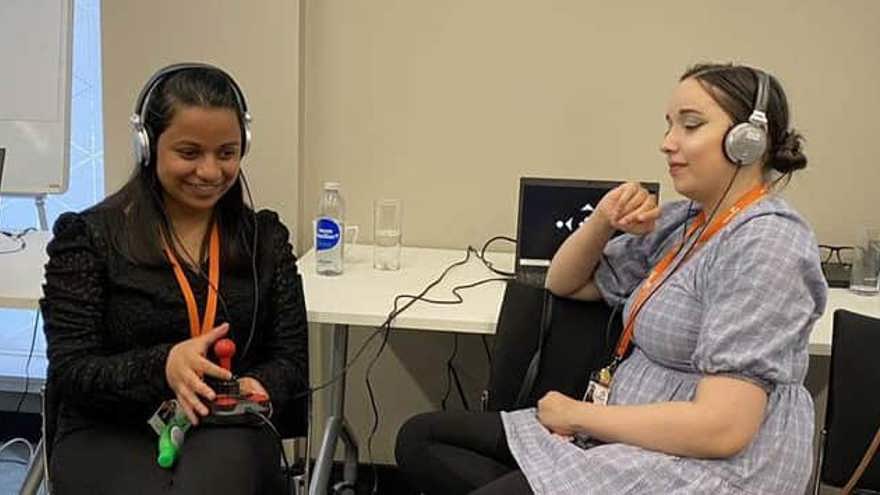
point(248, 386)
point(556, 412)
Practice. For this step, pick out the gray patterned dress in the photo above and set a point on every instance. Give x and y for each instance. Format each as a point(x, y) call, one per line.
point(743, 305)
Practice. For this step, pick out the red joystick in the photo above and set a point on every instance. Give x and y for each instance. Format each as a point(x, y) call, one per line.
point(230, 406)
point(224, 349)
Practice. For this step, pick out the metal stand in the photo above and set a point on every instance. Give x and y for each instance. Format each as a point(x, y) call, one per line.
point(337, 427)
point(36, 469)
point(40, 202)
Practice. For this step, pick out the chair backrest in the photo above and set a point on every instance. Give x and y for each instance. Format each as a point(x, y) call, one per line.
point(853, 413)
point(293, 420)
point(575, 343)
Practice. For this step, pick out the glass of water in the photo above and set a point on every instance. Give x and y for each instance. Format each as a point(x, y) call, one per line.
point(865, 275)
point(386, 234)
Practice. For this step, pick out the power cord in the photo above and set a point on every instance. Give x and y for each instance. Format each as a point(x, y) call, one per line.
point(27, 366)
point(413, 298)
point(386, 331)
point(17, 237)
point(452, 374)
point(395, 311)
point(386, 324)
point(18, 440)
point(385, 327)
point(486, 348)
point(489, 265)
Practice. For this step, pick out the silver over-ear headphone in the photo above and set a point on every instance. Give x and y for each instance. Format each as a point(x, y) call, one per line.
point(141, 136)
point(746, 142)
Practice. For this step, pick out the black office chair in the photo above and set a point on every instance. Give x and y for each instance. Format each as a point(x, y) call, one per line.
point(292, 423)
point(853, 413)
point(544, 342)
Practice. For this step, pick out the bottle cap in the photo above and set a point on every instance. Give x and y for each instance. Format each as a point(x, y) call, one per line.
point(332, 186)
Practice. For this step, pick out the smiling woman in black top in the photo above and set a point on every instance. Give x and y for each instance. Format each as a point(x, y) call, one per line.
point(120, 337)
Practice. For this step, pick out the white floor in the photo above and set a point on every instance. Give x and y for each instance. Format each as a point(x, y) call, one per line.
point(12, 468)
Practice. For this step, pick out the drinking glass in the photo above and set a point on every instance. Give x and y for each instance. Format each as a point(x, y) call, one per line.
point(386, 234)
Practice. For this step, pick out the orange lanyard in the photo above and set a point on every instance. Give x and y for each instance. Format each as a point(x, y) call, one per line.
point(654, 278)
point(213, 285)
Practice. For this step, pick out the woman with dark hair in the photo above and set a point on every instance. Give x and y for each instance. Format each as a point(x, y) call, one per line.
point(139, 288)
point(719, 295)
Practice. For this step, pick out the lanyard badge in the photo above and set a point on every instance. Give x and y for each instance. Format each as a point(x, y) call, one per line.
point(599, 386)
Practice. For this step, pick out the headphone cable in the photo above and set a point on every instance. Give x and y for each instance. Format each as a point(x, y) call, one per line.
point(253, 265)
point(387, 331)
point(693, 244)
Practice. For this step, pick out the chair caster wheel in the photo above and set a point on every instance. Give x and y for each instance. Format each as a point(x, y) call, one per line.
point(343, 488)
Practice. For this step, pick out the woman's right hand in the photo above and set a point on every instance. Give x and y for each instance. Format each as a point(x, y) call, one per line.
point(629, 208)
point(186, 367)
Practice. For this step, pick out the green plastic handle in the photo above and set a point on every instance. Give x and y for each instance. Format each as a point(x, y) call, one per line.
point(170, 441)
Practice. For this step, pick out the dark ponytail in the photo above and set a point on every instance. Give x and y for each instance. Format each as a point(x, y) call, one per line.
point(786, 156)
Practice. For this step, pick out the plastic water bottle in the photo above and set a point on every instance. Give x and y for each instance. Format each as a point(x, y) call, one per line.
point(329, 228)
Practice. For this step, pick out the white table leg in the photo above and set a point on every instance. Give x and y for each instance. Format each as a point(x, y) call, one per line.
point(337, 427)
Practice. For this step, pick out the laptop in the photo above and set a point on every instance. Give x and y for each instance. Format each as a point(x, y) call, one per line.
point(549, 211)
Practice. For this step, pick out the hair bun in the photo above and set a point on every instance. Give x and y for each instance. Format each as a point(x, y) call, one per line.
point(787, 156)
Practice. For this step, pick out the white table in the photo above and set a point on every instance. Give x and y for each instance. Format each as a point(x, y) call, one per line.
point(21, 273)
point(364, 296)
point(21, 287)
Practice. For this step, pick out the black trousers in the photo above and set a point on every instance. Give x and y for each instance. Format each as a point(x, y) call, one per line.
point(451, 453)
point(213, 460)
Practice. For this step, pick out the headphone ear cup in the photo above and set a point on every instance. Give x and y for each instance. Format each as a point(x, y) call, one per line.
point(140, 142)
point(745, 143)
point(245, 134)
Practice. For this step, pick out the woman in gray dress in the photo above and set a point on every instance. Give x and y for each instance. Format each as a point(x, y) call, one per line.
point(719, 295)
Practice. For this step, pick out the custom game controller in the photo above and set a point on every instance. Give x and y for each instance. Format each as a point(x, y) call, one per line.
point(230, 406)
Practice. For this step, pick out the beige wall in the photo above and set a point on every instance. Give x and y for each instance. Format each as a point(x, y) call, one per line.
point(446, 103)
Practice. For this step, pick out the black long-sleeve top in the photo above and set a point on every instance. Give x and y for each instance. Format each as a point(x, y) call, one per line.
point(110, 323)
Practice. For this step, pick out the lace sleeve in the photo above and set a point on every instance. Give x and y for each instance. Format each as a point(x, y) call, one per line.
point(80, 367)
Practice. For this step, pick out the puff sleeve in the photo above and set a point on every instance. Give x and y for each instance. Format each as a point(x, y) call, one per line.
point(761, 295)
point(80, 366)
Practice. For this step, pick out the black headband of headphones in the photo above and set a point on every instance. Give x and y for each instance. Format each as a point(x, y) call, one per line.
point(143, 99)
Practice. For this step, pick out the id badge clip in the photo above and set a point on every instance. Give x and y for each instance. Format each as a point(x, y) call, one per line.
point(597, 392)
point(163, 415)
point(599, 386)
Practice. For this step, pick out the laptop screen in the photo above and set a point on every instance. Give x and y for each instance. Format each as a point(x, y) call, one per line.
point(551, 209)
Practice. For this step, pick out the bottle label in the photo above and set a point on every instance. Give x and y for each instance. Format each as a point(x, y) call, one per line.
point(328, 234)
